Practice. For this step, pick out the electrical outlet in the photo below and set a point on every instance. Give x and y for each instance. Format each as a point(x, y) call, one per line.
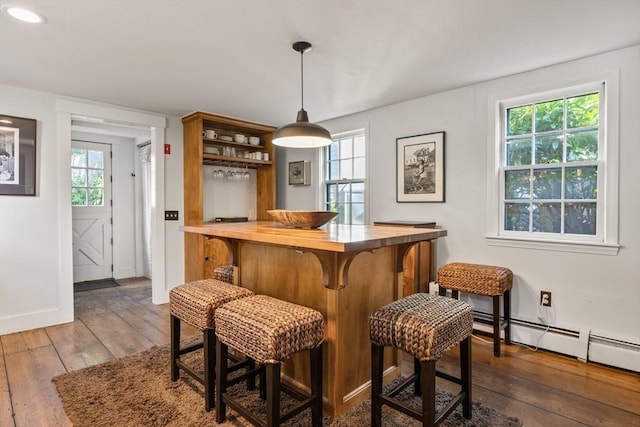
point(170, 215)
point(545, 298)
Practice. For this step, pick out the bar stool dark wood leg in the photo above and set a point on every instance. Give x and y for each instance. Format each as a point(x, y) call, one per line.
point(465, 376)
point(506, 300)
point(496, 325)
point(175, 347)
point(377, 353)
point(316, 385)
point(428, 381)
point(209, 344)
point(222, 352)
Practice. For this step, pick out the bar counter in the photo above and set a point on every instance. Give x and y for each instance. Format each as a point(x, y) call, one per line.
point(345, 272)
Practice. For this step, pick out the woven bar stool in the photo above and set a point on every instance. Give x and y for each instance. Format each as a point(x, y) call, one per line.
point(425, 326)
point(487, 280)
point(269, 331)
point(225, 273)
point(195, 303)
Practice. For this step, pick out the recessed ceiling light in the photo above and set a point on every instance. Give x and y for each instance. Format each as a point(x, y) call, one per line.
point(23, 14)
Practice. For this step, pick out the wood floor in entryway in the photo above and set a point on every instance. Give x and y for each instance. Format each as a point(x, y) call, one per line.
point(541, 388)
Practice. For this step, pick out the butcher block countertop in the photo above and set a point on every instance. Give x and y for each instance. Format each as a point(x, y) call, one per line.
point(330, 237)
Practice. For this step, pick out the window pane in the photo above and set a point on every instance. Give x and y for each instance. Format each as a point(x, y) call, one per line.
point(333, 151)
point(96, 159)
point(547, 184)
point(546, 217)
point(580, 218)
point(549, 116)
point(517, 184)
point(96, 178)
point(357, 213)
point(583, 111)
point(346, 149)
point(358, 168)
point(78, 177)
point(78, 197)
point(78, 157)
point(343, 214)
point(334, 170)
point(519, 120)
point(549, 149)
point(357, 192)
point(516, 217)
point(582, 146)
point(95, 197)
point(358, 146)
point(344, 195)
point(332, 193)
point(346, 169)
point(519, 151)
point(581, 183)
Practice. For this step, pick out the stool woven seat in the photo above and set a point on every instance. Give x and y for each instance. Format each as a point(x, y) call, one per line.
point(225, 273)
point(426, 326)
point(195, 303)
point(269, 331)
point(476, 278)
point(487, 280)
point(422, 325)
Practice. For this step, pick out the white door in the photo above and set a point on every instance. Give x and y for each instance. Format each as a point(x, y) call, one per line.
point(91, 211)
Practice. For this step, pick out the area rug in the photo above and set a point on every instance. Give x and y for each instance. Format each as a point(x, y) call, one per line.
point(136, 390)
point(94, 284)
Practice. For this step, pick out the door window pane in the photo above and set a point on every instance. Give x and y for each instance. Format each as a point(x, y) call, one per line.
point(78, 157)
point(78, 197)
point(96, 159)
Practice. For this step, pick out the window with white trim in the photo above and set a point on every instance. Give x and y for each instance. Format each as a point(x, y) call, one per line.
point(344, 177)
point(552, 165)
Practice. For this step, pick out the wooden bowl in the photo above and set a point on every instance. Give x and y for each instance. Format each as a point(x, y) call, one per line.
point(302, 219)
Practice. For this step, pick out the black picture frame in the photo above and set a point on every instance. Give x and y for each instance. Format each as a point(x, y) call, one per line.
point(17, 156)
point(300, 173)
point(420, 168)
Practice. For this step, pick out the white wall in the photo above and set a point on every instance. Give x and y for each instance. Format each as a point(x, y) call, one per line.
point(590, 292)
point(35, 242)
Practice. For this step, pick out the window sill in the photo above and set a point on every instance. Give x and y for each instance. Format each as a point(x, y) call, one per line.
point(549, 245)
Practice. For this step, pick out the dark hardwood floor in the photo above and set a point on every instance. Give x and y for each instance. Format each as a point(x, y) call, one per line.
point(540, 388)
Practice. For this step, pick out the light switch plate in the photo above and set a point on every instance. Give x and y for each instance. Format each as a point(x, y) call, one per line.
point(170, 215)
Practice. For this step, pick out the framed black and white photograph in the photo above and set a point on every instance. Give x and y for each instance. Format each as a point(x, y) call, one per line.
point(17, 156)
point(420, 168)
point(300, 173)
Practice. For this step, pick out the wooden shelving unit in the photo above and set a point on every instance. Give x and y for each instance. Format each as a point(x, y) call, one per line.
point(201, 255)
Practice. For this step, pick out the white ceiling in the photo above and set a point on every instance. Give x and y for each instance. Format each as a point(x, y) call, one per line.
point(234, 57)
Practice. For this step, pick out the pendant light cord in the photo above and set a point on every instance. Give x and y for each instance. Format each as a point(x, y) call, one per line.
point(302, 78)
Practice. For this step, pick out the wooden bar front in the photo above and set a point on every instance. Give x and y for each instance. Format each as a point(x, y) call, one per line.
point(345, 272)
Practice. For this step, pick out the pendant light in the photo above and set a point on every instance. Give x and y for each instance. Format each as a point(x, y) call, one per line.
point(302, 134)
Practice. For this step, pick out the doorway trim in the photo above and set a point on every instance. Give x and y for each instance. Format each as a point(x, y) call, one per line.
point(66, 109)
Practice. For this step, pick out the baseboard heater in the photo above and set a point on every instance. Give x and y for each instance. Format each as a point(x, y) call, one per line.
point(580, 344)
